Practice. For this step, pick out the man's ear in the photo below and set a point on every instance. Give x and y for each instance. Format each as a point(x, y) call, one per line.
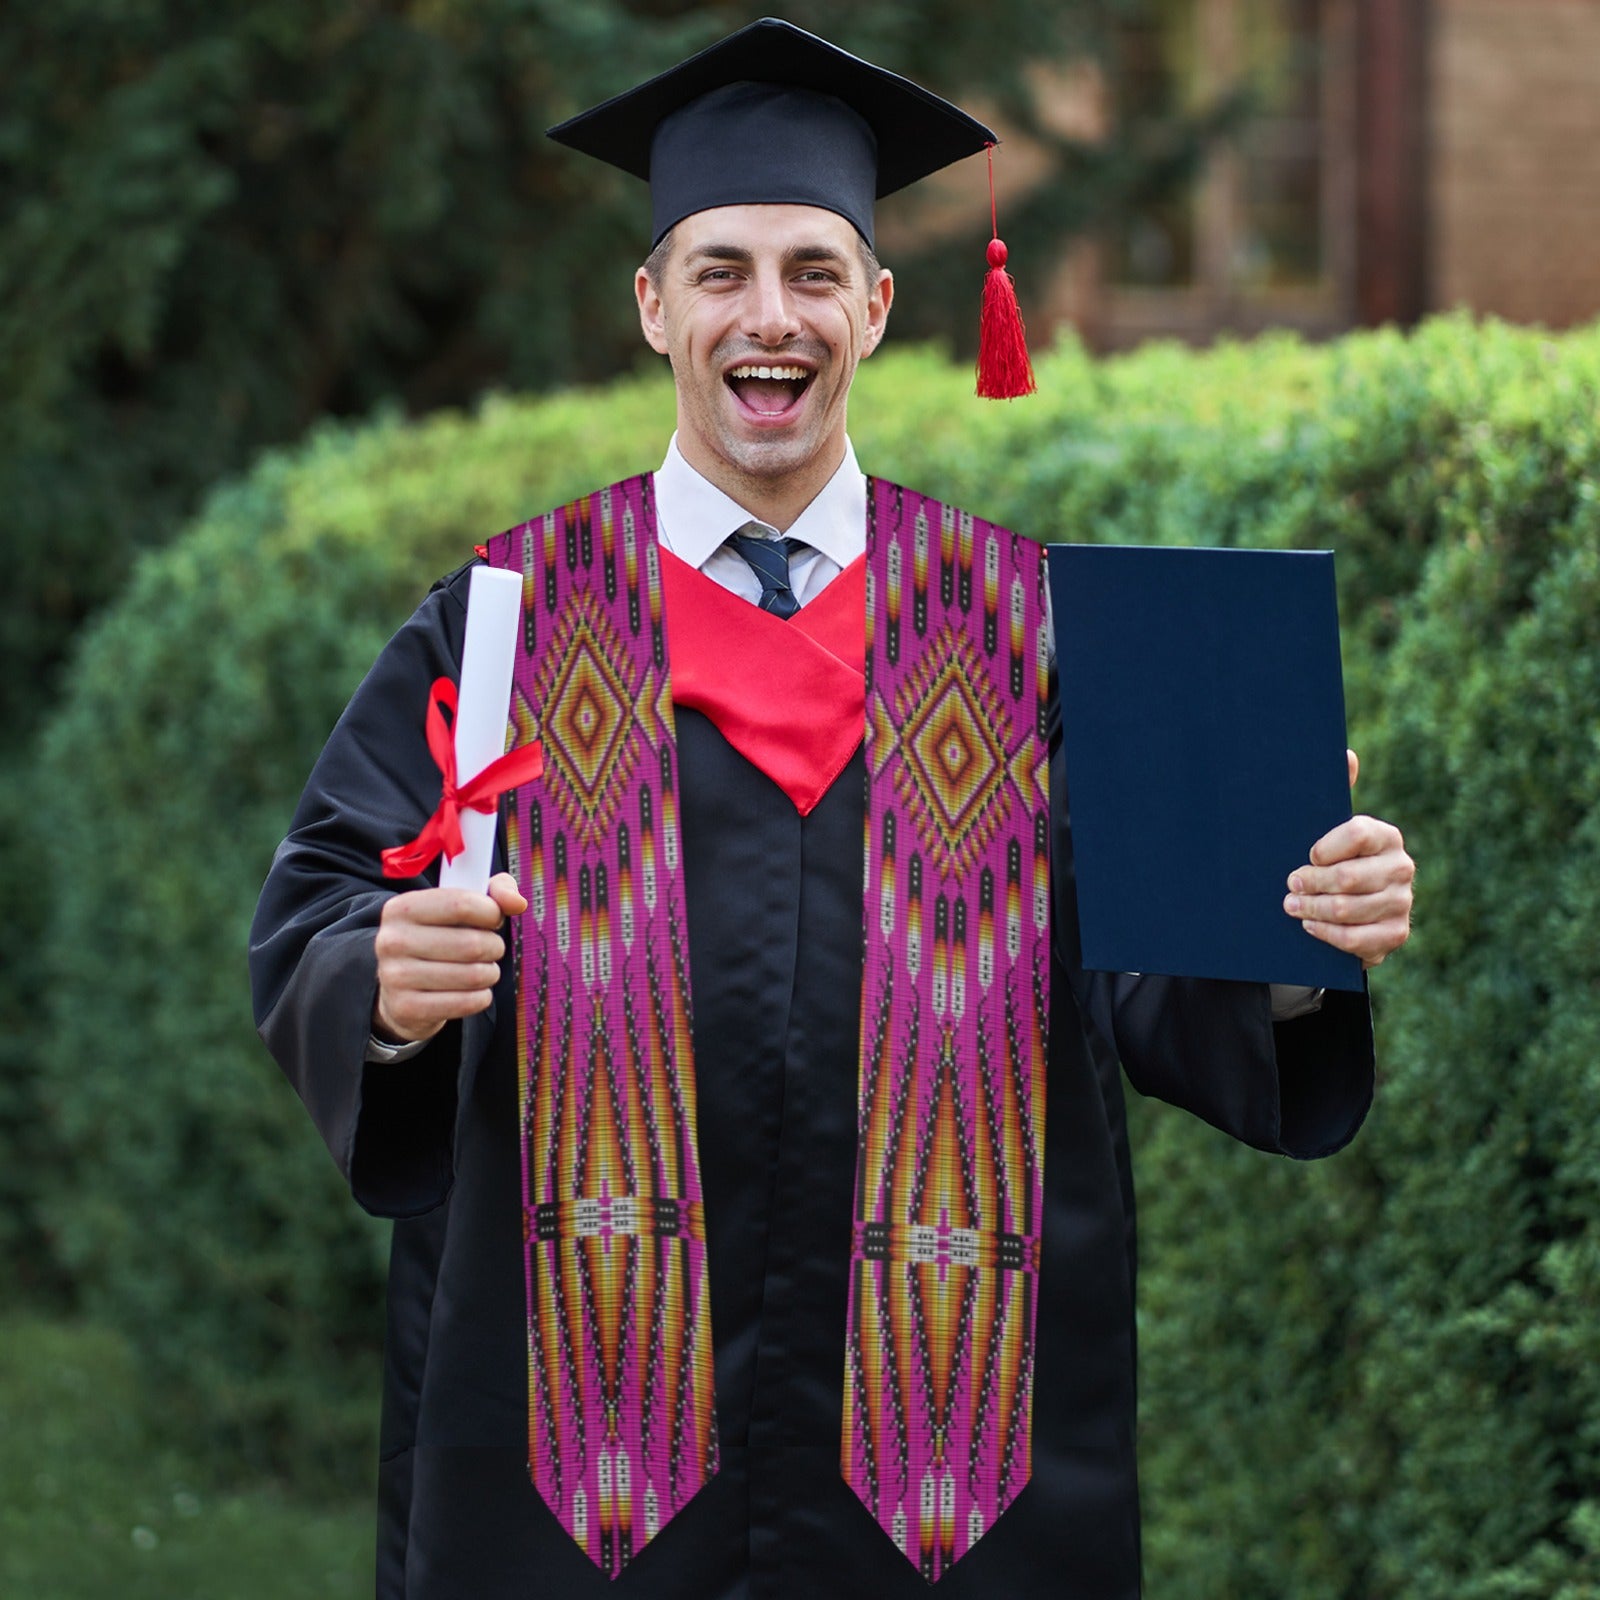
point(878, 303)
point(652, 315)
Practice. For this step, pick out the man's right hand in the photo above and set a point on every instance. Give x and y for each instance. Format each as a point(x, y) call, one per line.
point(438, 957)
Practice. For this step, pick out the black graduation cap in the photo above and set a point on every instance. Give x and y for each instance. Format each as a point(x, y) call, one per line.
point(774, 115)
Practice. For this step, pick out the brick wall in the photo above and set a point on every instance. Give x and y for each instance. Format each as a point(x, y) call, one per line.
point(1515, 158)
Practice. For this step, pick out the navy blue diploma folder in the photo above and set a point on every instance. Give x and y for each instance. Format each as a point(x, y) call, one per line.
point(1202, 710)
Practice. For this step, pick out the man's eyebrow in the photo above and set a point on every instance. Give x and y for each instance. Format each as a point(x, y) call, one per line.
point(738, 255)
point(819, 254)
point(720, 252)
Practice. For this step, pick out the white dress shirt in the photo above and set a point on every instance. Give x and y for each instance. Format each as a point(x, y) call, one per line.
point(693, 520)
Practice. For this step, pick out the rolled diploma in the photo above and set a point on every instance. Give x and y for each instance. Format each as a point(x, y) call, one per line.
point(494, 611)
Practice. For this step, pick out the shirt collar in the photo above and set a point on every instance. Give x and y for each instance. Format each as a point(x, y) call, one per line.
point(694, 517)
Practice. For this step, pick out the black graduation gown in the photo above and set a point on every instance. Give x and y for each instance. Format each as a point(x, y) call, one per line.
point(773, 904)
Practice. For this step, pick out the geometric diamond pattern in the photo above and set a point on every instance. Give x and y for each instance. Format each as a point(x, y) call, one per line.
point(621, 1410)
point(588, 705)
point(953, 762)
point(936, 1437)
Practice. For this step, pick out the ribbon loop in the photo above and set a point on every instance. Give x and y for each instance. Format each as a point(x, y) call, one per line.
point(441, 833)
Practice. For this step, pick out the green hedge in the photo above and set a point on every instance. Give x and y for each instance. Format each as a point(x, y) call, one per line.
point(194, 1207)
point(1371, 1378)
point(1377, 1377)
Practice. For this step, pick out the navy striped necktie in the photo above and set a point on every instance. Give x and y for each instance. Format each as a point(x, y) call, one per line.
point(769, 560)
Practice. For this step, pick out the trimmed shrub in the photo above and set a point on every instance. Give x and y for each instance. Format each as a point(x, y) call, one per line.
point(1372, 1377)
point(196, 1209)
point(1376, 1377)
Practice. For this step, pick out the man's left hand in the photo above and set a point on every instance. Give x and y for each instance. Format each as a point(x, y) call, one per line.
point(1355, 893)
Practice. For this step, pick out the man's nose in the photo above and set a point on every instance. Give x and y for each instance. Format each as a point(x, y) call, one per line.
point(772, 318)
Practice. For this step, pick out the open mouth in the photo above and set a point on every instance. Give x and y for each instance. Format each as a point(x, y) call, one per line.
point(769, 391)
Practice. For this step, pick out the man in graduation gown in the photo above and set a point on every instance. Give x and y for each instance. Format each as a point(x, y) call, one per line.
point(395, 1013)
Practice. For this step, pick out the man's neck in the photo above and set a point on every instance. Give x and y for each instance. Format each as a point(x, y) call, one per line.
point(777, 501)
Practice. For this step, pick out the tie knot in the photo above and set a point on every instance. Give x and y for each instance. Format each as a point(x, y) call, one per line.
point(767, 555)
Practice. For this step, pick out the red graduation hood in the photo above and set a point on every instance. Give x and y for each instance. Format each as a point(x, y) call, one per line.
point(789, 696)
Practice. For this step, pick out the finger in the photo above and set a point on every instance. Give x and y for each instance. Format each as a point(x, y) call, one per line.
point(1371, 942)
point(426, 941)
point(1353, 761)
point(1360, 836)
point(448, 908)
point(416, 1015)
point(1357, 875)
point(436, 977)
point(1383, 906)
point(504, 892)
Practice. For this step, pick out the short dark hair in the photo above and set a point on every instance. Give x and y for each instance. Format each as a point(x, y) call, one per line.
point(655, 264)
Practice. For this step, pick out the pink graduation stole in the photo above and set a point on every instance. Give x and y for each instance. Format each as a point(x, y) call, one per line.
point(945, 1254)
point(954, 1018)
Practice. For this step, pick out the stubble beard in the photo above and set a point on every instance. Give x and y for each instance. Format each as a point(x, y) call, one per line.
point(768, 459)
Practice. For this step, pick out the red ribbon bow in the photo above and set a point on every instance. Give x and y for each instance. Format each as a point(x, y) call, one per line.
point(442, 831)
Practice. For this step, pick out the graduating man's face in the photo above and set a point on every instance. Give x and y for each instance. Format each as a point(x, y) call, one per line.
point(764, 311)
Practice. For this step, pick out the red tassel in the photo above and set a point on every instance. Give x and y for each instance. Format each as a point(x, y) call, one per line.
point(1004, 370)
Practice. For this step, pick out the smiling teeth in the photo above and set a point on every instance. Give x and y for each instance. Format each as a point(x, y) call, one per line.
point(798, 374)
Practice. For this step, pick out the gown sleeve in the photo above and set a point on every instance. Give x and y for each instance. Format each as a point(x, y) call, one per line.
point(1300, 1088)
point(313, 966)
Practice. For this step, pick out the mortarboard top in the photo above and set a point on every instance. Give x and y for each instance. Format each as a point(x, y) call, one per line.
point(774, 115)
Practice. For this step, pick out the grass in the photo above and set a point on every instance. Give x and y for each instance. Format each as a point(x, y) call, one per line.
point(94, 1503)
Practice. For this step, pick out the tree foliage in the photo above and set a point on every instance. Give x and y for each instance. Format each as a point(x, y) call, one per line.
point(218, 224)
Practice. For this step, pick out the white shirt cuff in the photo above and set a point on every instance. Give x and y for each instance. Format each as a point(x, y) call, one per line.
point(380, 1051)
point(1291, 1000)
